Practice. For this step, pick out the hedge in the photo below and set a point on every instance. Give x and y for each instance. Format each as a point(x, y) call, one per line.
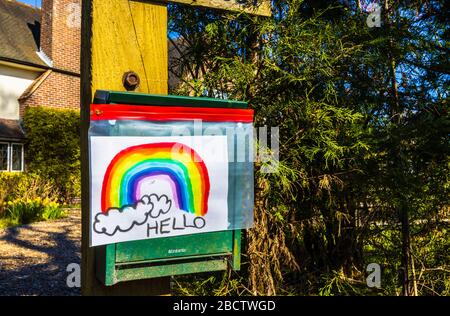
point(53, 147)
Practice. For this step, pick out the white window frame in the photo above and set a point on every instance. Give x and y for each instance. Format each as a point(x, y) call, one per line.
point(9, 154)
point(21, 158)
point(8, 158)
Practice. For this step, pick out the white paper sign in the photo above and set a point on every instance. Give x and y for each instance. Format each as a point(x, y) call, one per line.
point(153, 187)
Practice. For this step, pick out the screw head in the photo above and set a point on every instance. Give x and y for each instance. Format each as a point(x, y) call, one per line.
point(131, 80)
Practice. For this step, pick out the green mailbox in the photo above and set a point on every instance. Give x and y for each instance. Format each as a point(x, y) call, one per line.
point(146, 115)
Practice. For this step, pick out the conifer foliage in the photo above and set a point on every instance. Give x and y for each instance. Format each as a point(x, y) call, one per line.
point(362, 109)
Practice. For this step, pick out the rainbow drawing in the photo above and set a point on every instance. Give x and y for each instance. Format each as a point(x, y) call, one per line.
point(174, 162)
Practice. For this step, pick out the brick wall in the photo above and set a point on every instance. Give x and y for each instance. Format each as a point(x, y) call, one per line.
point(60, 41)
point(46, 27)
point(61, 32)
point(56, 91)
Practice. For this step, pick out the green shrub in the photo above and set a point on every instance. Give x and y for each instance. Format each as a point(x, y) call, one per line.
point(25, 186)
point(8, 182)
point(53, 148)
point(25, 211)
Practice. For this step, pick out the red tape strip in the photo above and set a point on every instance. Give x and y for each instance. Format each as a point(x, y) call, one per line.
point(168, 113)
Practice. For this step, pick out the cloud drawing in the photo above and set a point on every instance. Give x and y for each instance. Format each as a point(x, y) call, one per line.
point(161, 205)
point(125, 218)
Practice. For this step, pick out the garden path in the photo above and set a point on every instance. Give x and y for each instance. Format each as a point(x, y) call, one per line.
point(34, 258)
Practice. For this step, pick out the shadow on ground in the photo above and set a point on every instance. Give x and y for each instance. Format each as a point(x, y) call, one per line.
point(34, 258)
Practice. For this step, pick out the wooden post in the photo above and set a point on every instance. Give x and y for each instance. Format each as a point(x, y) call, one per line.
point(118, 36)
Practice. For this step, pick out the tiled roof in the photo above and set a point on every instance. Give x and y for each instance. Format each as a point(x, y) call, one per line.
point(19, 32)
point(11, 129)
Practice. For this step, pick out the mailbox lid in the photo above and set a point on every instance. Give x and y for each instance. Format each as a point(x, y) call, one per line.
point(175, 247)
point(119, 97)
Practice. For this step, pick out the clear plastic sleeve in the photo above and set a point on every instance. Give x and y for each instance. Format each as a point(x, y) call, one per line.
point(239, 143)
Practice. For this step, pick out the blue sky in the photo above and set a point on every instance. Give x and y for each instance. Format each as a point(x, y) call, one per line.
point(32, 2)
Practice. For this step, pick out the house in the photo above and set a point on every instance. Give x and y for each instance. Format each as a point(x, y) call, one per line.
point(39, 66)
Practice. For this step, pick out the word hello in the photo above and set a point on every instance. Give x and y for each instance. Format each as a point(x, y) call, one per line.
point(170, 224)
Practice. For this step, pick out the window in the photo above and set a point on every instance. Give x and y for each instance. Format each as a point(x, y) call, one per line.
point(4, 156)
point(11, 157)
point(16, 157)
